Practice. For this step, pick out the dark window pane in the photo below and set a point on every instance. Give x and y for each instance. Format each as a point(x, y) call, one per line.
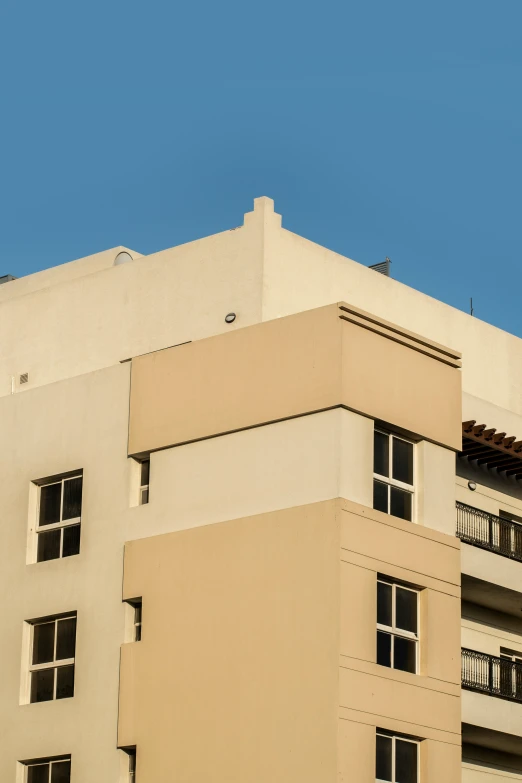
point(405, 762)
point(38, 773)
point(43, 643)
point(61, 772)
point(381, 458)
point(400, 503)
point(65, 682)
point(406, 609)
point(71, 540)
point(404, 654)
point(383, 649)
point(50, 499)
point(42, 684)
point(48, 545)
point(383, 758)
point(380, 496)
point(66, 641)
point(145, 472)
point(384, 604)
point(402, 461)
point(72, 498)
point(144, 496)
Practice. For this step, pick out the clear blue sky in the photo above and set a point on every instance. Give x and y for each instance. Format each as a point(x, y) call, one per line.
point(379, 128)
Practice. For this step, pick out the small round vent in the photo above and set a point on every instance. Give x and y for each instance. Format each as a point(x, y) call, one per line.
point(122, 258)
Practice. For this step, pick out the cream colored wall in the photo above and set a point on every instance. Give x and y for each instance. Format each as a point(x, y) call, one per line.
point(484, 765)
point(479, 773)
point(76, 325)
point(80, 423)
point(301, 275)
point(87, 314)
point(305, 363)
point(499, 715)
point(487, 631)
point(240, 681)
point(272, 644)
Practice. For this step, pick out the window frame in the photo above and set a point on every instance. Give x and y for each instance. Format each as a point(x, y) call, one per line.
point(389, 481)
point(393, 630)
point(48, 760)
point(394, 738)
point(144, 489)
point(62, 524)
point(55, 663)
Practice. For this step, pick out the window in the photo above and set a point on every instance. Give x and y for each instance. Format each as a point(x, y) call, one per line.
point(396, 759)
point(132, 766)
point(137, 605)
point(53, 770)
point(52, 658)
point(59, 514)
point(397, 626)
point(144, 481)
point(393, 475)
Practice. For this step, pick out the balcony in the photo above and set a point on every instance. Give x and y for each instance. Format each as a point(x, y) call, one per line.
point(493, 676)
point(487, 531)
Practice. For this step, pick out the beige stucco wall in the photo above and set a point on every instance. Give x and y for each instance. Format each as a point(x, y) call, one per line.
point(499, 715)
point(289, 367)
point(77, 424)
point(301, 275)
point(236, 675)
point(265, 654)
point(258, 270)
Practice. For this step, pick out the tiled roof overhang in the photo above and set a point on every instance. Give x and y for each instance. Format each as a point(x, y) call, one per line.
point(486, 446)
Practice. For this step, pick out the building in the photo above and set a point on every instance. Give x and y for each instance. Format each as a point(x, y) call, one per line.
point(260, 521)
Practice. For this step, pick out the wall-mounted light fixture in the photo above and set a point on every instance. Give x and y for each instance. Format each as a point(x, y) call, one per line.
point(472, 486)
point(230, 318)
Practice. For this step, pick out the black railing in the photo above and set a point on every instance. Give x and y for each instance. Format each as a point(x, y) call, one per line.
point(485, 530)
point(494, 676)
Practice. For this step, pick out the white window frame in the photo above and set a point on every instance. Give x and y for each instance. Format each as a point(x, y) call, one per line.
point(23, 776)
point(62, 523)
point(144, 487)
point(393, 630)
point(402, 738)
point(54, 664)
point(391, 482)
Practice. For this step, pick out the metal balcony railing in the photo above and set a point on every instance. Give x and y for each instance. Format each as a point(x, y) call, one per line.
point(487, 531)
point(495, 676)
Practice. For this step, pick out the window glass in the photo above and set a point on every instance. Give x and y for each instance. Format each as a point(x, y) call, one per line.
point(384, 604)
point(38, 773)
point(383, 649)
point(71, 540)
point(72, 497)
point(48, 545)
point(380, 496)
point(145, 472)
point(61, 772)
point(66, 640)
point(43, 643)
point(402, 461)
point(406, 609)
point(383, 758)
point(42, 685)
point(50, 499)
point(400, 503)
point(405, 761)
point(381, 460)
point(65, 682)
point(404, 654)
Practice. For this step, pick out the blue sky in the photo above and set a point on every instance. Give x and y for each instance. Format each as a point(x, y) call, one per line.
point(379, 128)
